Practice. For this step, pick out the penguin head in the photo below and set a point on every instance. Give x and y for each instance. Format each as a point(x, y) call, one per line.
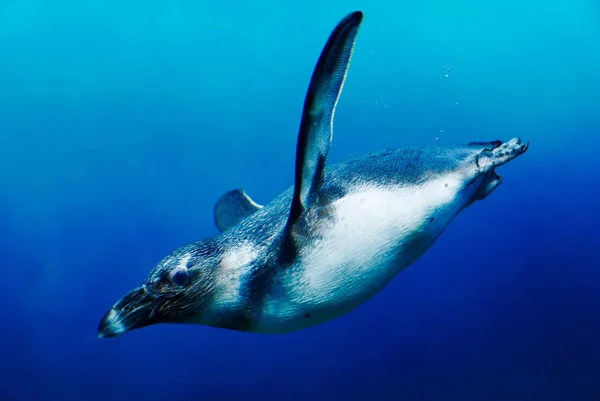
point(176, 291)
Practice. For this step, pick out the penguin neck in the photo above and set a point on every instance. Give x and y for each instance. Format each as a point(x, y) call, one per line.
point(230, 306)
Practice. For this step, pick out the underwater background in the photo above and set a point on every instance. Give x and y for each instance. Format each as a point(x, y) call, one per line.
point(122, 122)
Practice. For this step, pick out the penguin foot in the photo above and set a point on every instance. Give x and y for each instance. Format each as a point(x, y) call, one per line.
point(502, 154)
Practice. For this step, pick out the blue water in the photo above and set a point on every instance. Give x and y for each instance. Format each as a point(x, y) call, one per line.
point(122, 122)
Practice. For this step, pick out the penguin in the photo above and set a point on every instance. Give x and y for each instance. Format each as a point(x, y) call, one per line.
point(324, 246)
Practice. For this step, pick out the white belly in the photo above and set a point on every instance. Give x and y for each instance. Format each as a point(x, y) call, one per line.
point(377, 233)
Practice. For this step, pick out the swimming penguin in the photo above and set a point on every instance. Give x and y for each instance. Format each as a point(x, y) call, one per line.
point(327, 244)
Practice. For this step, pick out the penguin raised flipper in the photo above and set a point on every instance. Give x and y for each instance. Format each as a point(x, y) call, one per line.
point(316, 125)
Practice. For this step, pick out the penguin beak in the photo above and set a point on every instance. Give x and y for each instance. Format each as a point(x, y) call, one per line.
point(133, 311)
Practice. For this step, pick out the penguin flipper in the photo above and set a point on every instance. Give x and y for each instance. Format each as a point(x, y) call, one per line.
point(232, 207)
point(315, 133)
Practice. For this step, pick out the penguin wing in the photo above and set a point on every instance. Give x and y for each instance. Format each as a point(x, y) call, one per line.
point(232, 207)
point(314, 137)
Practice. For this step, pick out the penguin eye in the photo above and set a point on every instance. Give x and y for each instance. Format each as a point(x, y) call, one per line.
point(179, 277)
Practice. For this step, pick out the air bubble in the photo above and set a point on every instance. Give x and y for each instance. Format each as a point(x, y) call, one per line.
point(447, 69)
